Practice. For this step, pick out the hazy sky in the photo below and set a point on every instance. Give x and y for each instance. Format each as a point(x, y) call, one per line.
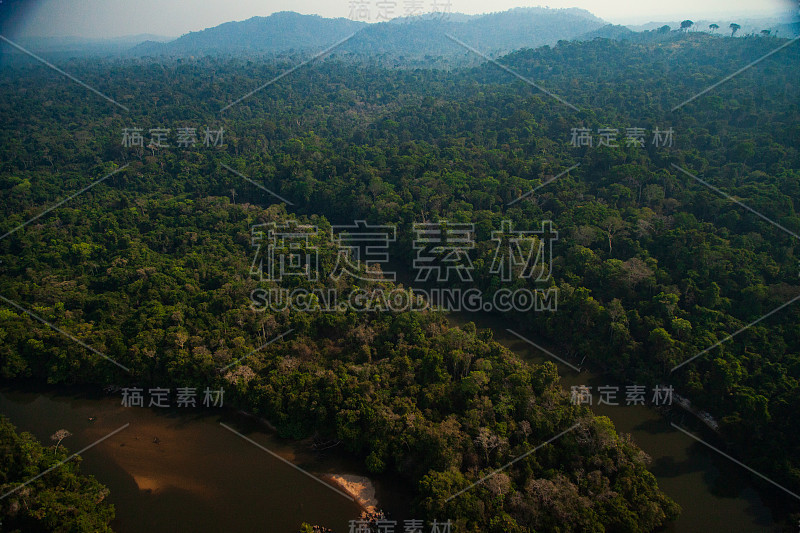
point(112, 18)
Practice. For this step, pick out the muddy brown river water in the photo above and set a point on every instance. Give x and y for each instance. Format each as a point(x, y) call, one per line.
point(199, 476)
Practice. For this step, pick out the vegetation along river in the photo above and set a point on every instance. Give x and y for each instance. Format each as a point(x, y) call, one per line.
point(180, 470)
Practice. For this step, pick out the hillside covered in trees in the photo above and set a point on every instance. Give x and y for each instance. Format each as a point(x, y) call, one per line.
point(653, 266)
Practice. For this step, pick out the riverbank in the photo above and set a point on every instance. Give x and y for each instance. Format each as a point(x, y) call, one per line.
point(200, 475)
point(712, 491)
point(361, 488)
point(180, 470)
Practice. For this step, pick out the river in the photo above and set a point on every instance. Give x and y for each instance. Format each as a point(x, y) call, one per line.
point(714, 493)
point(198, 475)
point(181, 470)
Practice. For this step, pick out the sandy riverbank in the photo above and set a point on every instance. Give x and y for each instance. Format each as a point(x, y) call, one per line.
point(360, 487)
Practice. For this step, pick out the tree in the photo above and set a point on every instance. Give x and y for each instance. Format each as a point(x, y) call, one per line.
point(713, 27)
point(686, 24)
point(60, 435)
point(612, 226)
point(734, 28)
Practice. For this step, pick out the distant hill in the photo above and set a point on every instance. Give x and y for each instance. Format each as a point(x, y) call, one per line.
point(280, 32)
point(61, 47)
point(408, 41)
point(415, 37)
point(782, 26)
point(493, 34)
point(609, 31)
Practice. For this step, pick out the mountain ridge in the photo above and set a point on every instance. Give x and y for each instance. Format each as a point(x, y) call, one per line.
point(407, 37)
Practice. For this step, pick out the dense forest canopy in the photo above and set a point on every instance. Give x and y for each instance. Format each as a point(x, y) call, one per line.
point(152, 266)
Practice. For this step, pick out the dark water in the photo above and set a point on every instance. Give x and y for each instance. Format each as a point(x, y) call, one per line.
point(198, 477)
point(714, 493)
point(202, 477)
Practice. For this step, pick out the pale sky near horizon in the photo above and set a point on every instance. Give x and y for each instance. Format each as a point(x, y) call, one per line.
point(114, 18)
